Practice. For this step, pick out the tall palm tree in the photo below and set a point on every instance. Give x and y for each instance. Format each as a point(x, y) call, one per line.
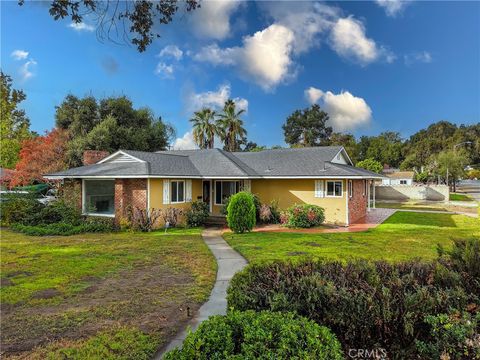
point(204, 128)
point(231, 129)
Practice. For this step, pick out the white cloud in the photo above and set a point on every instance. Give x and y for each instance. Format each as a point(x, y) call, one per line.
point(307, 20)
point(81, 27)
point(264, 57)
point(215, 55)
point(26, 71)
point(393, 7)
point(212, 19)
point(19, 54)
point(346, 111)
point(172, 51)
point(418, 57)
point(214, 99)
point(185, 142)
point(348, 39)
point(313, 94)
point(164, 71)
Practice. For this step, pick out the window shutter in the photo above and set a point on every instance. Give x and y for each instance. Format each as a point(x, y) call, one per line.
point(319, 192)
point(188, 190)
point(166, 191)
point(247, 185)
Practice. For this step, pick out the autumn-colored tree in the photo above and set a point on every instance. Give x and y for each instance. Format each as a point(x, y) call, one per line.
point(39, 156)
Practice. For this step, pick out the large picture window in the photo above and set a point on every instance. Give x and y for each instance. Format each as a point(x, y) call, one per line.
point(334, 188)
point(99, 197)
point(177, 189)
point(225, 189)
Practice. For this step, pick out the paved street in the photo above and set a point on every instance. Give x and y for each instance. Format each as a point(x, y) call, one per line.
point(471, 187)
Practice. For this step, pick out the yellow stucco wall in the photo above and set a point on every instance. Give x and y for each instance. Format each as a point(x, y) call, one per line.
point(156, 195)
point(299, 191)
point(286, 192)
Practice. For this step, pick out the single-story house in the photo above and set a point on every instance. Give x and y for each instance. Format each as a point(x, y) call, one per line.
point(323, 176)
point(399, 178)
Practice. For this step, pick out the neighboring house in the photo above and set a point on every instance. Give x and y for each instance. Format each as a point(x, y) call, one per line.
point(323, 176)
point(399, 178)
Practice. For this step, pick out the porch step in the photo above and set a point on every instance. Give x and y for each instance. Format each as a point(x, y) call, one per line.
point(216, 220)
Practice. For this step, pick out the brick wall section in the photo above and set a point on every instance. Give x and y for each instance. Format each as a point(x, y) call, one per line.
point(71, 192)
point(93, 156)
point(129, 192)
point(357, 204)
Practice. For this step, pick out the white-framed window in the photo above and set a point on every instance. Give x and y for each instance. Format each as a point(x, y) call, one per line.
point(350, 188)
point(177, 191)
point(224, 189)
point(98, 197)
point(334, 188)
point(403, 182)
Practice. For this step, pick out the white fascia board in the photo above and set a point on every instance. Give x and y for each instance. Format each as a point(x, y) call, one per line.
point(117, 153)
point(208, 177)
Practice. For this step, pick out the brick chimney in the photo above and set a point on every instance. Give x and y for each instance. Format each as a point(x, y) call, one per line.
point(93, 156)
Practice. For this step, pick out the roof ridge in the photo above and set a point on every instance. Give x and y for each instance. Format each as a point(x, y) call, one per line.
point(236, 162)
point(155, 153)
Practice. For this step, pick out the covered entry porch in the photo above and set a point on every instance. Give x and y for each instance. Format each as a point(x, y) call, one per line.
point(215, 192)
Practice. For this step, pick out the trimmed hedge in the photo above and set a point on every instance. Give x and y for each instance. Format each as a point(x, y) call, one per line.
point(367, 305)
point(241, 212)
point(263, 335)
point(63, 228)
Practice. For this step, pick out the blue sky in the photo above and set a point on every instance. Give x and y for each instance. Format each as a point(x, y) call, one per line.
point(374, 66)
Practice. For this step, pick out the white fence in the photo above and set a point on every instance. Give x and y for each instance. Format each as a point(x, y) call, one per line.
point(412, 192)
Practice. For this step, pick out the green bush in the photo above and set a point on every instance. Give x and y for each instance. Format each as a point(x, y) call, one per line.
point(452, 336)
point(55, 212)
point(17, 209)
point(263, 335)
point(64, 229)
point(367, 305)
point(464, 257)
point(256, 201)
point(304, 216)
point(197, 214)
point(241, 212)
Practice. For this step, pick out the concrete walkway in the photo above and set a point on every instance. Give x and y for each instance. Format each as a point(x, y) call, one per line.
point(229, 262)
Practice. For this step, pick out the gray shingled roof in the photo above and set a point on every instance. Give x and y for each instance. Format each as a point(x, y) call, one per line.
point(306, 162)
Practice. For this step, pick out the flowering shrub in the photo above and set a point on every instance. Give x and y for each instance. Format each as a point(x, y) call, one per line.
point(265, 213)
point(303, 216)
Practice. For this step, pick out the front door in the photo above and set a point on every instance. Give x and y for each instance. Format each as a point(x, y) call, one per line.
point(207, 194)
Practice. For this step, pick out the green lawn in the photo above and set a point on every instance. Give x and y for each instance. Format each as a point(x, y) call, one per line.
point(405, 235)
point(100, 295)
point(460, 197)
point(422, 205)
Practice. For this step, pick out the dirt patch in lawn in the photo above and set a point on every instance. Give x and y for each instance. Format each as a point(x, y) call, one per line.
point(150, 297)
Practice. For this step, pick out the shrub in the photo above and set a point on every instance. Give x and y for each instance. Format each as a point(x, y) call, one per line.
point(367, 305)
point(275, 218)
point(141, 219)
point(170, 215)
point(304, 216)
point(264, 335)
point(452, 336)
point(197, 214)
point(265, 213)
point(256, 201)
point(464, 257)
point(55, 212)
point(241, 212)
point(63, 229)
point(16, 209)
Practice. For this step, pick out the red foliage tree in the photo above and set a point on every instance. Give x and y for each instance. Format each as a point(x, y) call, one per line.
point(40, 155)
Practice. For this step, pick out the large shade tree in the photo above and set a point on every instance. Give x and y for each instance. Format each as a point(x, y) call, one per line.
point(231, 128)
point(14, 123)
point(109, 124)
point(205, 128)
point(136, 22)
point(307, 127)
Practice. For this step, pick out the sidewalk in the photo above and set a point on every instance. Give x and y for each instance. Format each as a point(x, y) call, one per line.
point(229, 262)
